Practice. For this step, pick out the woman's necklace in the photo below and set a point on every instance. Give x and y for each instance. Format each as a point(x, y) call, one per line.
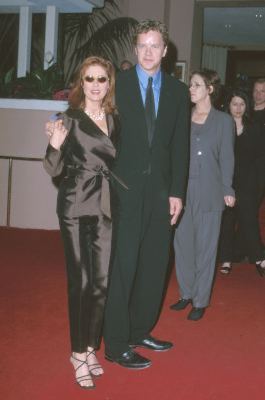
point(98, 116)
point(239, 127)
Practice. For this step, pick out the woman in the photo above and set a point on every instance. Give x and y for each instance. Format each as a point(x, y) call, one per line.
point(240, 234)
point(209, 188)
point(82, 143)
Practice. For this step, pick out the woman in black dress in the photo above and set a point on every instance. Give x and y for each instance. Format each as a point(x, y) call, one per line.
point(82, 144)
point(240, 233)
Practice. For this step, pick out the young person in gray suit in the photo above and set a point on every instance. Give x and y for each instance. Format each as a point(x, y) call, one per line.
point(209, 189)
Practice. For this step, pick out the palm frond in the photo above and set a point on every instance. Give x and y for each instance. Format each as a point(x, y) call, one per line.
point(109, 41)
point(83, 25)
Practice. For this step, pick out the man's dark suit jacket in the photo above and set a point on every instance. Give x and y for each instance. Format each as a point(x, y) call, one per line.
point(166, 160)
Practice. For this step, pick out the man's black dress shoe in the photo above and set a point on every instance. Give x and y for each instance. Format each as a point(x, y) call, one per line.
point(260, 269)
point(181, 304)
point(152, 344)
point(196, 313)
point(130, 359)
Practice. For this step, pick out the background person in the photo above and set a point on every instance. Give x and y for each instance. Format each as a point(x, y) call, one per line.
point(240, 233)
point(209, 189)
point(125, 64)
point(83, 143)
point(258, 115)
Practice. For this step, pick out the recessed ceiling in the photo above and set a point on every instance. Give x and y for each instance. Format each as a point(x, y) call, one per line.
point(234, 26)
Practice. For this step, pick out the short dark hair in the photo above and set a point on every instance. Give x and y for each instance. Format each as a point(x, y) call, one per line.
point(126, 63)
point(259, 80)
point(151, 25)
point(210, 78)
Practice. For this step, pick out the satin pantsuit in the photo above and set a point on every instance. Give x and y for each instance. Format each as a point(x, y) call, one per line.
point(83, 209)
point(210, 179)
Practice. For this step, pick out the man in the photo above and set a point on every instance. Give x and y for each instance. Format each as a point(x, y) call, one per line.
point(259, 95)
point(259, 116)
point(153, 162)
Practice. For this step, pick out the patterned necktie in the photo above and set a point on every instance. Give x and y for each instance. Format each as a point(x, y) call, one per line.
point(150, 113)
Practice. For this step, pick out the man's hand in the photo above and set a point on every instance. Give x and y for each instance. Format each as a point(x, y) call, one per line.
point(175, 207)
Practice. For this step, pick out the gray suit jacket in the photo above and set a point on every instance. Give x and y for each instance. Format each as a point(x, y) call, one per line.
point(216, 160)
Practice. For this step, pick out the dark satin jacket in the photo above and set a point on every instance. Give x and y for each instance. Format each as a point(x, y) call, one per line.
point(86, 156)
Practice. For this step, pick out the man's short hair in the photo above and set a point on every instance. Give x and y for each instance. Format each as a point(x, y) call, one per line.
point(259, 80)
point(151, 25)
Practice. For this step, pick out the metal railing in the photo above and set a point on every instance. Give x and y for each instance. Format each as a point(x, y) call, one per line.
point(9, 184)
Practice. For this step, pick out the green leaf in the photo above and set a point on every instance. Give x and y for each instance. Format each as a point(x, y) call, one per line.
point(9, 76)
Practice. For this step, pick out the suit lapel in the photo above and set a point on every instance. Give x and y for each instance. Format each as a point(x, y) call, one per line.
point(138, 97)
point(87, 126)
point(163, 98)
point(138, 105)
point(163, 106)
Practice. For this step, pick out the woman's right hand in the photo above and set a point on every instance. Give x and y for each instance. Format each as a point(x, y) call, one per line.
point(57, 133)
point(229, 201)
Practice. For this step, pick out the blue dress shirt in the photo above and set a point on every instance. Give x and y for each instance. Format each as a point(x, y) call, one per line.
point(143, 81)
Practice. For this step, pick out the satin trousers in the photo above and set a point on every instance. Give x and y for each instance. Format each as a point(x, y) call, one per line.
point(87, 246)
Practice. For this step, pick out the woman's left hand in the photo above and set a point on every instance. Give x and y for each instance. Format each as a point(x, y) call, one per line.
point(230, 201)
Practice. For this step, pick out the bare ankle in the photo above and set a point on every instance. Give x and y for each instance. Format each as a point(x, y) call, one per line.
point(79, 356)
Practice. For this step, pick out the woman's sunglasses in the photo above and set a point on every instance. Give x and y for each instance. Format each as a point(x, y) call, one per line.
point(100, 79)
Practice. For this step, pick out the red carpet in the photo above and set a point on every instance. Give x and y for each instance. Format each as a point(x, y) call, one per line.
point(221, 357)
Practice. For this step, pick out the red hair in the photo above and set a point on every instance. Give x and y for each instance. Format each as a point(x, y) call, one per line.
point(76, 96)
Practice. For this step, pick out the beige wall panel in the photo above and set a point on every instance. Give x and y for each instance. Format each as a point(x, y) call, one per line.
point(22, 132)
point(143, 9)
point(197, 39)
point(180, 27)
point(231, 3)
point(3, 191)
point(33, 202)
point(33, 196)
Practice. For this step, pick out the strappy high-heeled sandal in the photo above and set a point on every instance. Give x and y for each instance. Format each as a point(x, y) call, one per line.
point(95, 366)
point(83, 378)
point(226, 268)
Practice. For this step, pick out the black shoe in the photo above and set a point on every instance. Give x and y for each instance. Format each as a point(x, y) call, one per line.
point(152, 344)
point(196, 313)
point(226, 268)
point(130, 359)
point(180, 305)
point(260, 269)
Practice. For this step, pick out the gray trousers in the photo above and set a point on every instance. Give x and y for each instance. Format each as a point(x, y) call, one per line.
point(195, 244)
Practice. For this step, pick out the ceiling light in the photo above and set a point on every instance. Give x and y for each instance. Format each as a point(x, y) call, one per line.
point(259, 15)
